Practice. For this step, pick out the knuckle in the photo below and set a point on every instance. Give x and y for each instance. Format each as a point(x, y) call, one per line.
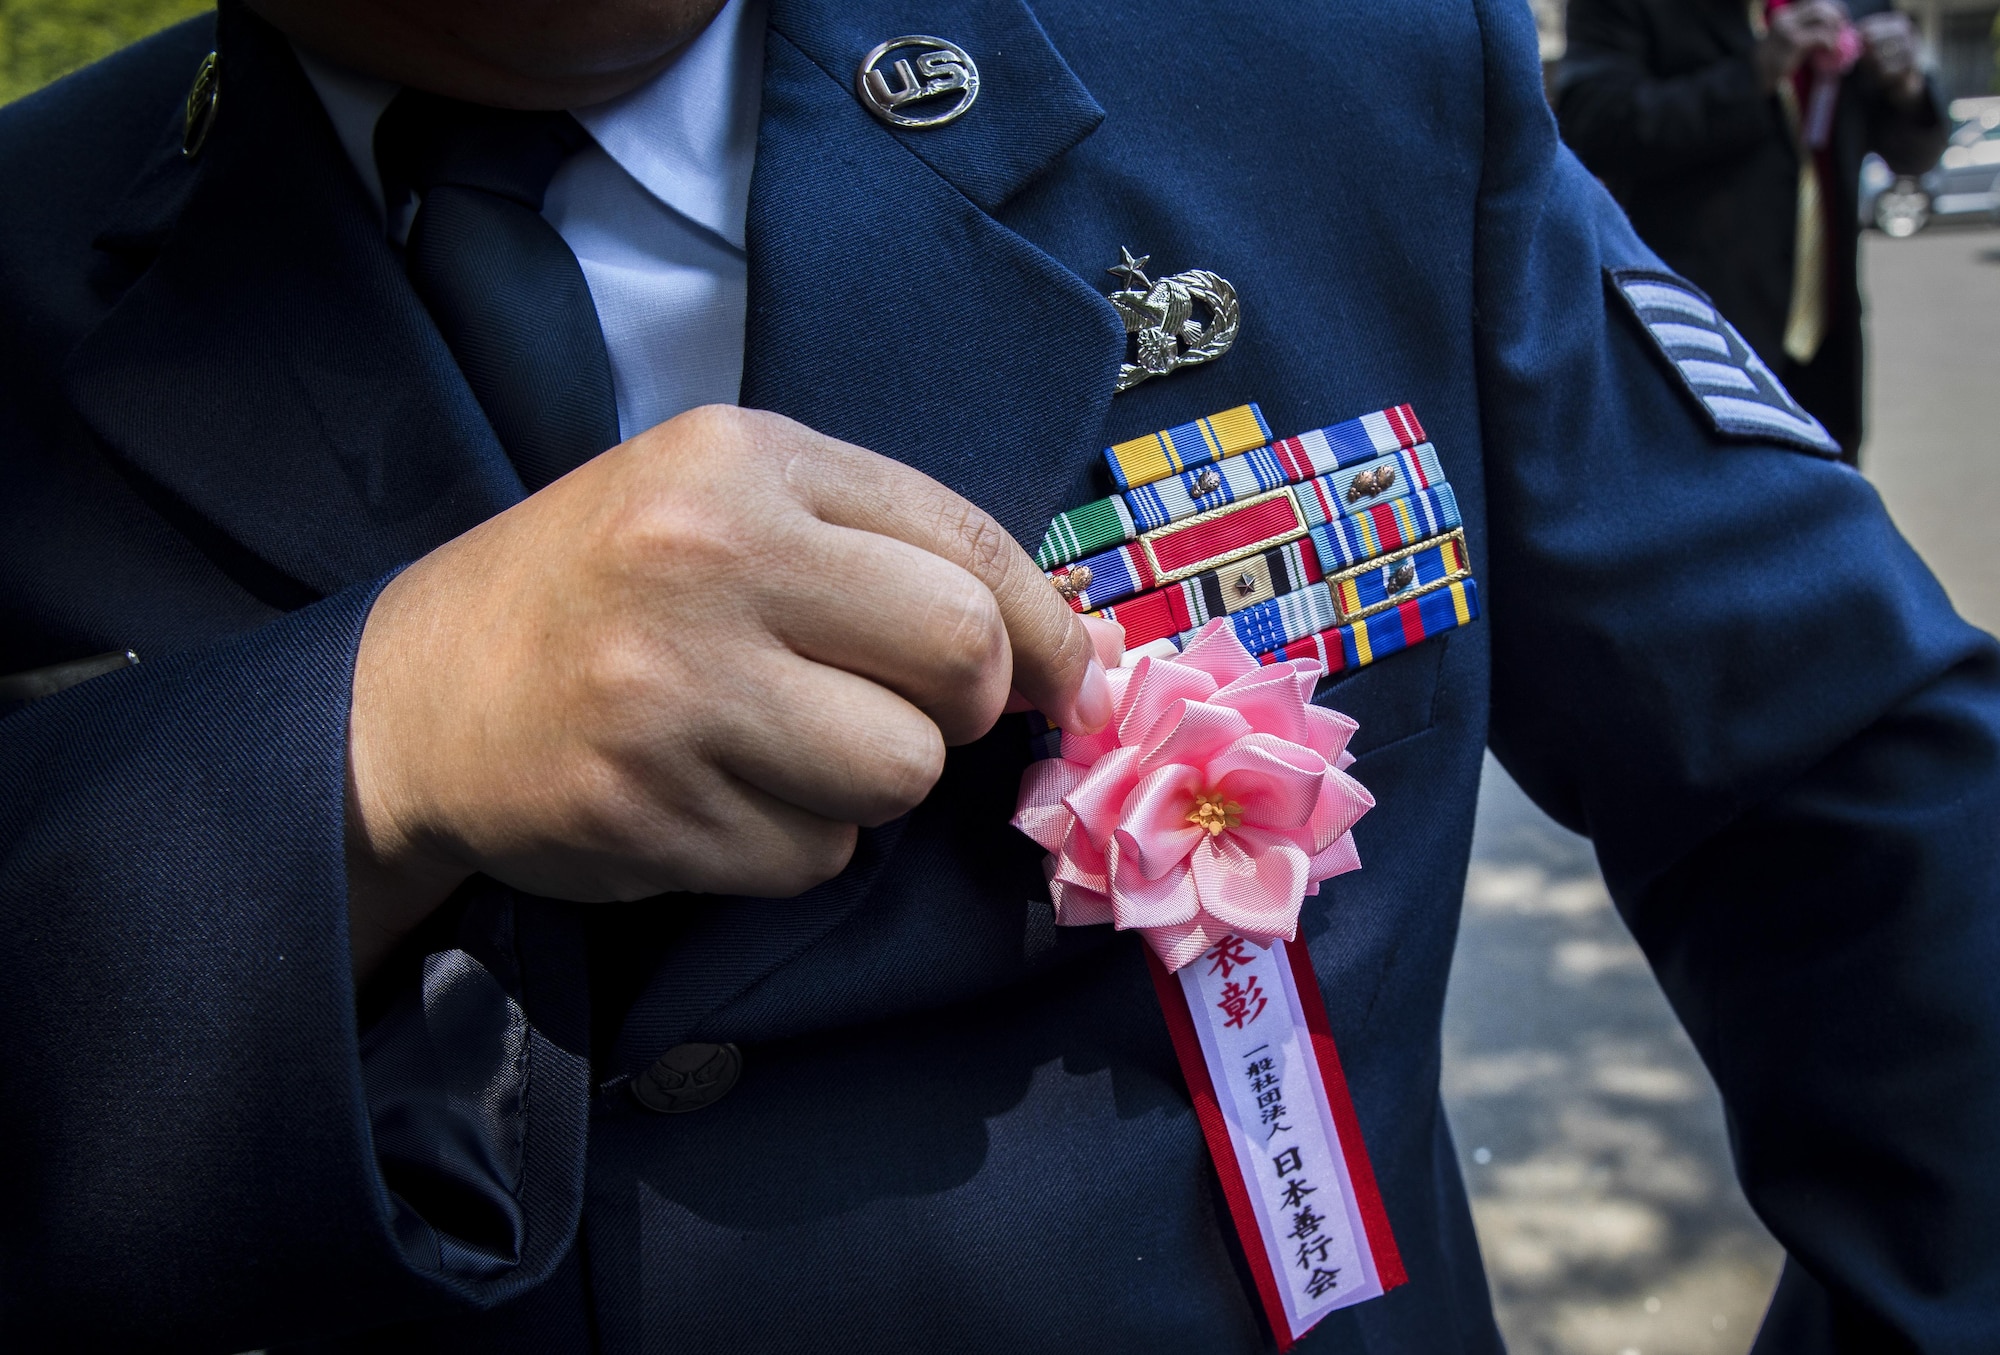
point(697, 533)
point(688, 441)
point(818, 854)
point(771, 862)
point(713, 426)
point(718, 459)
point(983, 546)
point(677, 543)
point(615, 676)
point(970, 635)
point(907, 763)
point(791, 454)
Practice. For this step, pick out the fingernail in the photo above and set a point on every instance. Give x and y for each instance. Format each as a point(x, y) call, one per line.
point(1108, 638)
point(1093, 700)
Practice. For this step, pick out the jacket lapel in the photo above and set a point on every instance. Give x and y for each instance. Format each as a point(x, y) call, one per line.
point(889, 308)
point(272, 369)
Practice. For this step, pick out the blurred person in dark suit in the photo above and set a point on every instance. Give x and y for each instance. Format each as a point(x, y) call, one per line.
point(1733, 135)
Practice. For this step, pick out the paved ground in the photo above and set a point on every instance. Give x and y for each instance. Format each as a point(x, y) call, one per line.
point(1590, 1136)
point(1934, 386)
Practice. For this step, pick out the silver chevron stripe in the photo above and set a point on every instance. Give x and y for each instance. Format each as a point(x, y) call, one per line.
point(1740, 394)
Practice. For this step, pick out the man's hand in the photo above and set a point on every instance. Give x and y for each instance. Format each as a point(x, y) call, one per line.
point(1797, 33)
point(695, 663)
point(1891, 55)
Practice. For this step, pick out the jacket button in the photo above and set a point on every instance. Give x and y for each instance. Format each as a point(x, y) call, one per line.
point(688, 1077)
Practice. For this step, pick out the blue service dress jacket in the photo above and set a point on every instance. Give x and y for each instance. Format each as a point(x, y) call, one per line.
point(225, 419)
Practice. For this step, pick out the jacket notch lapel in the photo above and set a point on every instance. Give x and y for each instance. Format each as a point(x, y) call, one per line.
point(887, 306)
point(272, 368)
point(1031, 107)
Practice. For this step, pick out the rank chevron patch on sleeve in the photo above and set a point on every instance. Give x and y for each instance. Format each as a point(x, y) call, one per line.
point(1735, 390)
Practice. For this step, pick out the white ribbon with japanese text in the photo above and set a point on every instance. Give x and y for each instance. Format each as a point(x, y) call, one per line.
point(1269, 1080)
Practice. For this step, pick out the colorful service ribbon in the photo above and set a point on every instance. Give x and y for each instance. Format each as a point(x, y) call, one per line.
point(1180, 607)
point(1249, 581)
point(1383, 527)
point(1381, 583)
point(1105, 578)
point(1325, 450)
point(1085, 531)
point(1208, 485)
point(1182, 550)
point(1208, 540)
point(1275, 624)
point(1199, 491)
point(1351, 490)
point(1172, 450)
point(1410, 622)
point(1258, 553)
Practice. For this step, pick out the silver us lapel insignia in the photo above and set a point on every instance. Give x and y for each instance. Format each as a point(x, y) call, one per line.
point(1160, 317)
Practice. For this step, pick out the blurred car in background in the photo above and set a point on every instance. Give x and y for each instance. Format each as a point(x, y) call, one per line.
point(1963, 185)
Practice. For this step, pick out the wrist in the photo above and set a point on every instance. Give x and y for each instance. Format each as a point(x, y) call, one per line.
point(398, 869)
point(388, 892)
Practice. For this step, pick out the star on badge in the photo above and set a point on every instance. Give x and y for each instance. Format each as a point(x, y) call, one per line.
point(1131, 269)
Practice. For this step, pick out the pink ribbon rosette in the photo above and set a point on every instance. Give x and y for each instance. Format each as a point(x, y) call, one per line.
point(1212, 804)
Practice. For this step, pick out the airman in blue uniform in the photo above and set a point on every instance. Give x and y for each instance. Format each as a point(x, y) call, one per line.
point(526, 899)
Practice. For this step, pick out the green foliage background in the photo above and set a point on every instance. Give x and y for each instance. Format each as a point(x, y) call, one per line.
point(43, 39)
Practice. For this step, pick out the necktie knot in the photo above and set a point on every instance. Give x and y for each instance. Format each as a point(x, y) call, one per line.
point(425, 140)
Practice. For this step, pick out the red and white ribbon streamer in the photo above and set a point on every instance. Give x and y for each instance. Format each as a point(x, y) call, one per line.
point(1255, 1046)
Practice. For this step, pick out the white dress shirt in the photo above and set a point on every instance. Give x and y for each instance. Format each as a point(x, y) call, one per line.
point(653, 211)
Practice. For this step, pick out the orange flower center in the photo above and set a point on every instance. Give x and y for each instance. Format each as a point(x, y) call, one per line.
point(1214, 813)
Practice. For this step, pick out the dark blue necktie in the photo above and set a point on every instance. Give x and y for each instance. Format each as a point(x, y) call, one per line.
point(504, 289)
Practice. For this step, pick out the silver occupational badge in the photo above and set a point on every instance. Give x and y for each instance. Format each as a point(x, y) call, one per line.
point(1161, 318)
point(942, 68)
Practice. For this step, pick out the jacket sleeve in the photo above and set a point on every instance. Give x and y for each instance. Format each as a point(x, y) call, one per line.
point(1721, 661)
point(1629, 124)
point(204, 1151)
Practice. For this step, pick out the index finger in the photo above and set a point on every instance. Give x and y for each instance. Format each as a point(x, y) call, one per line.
point(1055, 662)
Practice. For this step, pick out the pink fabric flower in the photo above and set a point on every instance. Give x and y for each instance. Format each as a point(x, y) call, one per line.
point(1214, 801)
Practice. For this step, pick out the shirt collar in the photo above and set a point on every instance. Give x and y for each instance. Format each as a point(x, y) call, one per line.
point(688, 135)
